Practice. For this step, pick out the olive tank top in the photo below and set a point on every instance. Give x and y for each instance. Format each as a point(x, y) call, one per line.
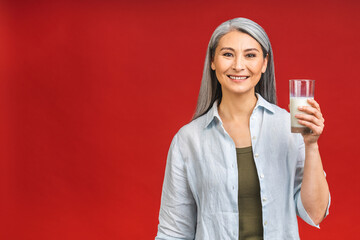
point(249, 201)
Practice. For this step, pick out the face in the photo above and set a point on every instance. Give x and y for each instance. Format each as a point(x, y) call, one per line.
point(238, 63)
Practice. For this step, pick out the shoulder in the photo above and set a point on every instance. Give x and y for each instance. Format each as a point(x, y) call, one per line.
point(277, 117)
point(270, 108)
point(273, 111)
point(189, 138)
point(279, 120)
point(280, 112)
point(192, 129)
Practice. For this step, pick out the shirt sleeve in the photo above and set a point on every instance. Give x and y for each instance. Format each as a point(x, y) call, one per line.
point(177, 217)
point(300, 210)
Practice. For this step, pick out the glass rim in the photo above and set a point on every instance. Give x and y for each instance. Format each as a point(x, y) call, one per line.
point(302, 80)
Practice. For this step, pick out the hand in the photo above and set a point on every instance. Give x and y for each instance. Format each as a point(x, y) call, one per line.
point(314, 121)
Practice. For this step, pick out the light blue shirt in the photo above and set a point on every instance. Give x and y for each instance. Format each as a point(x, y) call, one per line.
point(200, 190)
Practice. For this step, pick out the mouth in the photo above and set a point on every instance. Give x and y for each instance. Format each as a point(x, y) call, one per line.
point(237, 78)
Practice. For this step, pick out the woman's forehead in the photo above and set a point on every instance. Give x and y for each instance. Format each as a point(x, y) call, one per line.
point(237, 39)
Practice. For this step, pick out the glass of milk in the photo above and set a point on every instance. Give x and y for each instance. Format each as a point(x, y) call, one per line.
point(300, 91)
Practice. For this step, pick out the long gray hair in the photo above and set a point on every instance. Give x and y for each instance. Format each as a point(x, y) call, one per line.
point(210, 89)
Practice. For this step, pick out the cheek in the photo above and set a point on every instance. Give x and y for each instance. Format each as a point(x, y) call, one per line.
point(253, 68)
point(256, 67)
point(219, 76)
point(221, 66)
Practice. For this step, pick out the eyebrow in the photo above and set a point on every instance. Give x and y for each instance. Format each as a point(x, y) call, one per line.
point(246, 50)
point(251, 49)
point(227, 48)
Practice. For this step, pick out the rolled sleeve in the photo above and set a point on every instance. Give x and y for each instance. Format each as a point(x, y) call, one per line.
point(300, 210)
point(177, 217)
point(305, 216)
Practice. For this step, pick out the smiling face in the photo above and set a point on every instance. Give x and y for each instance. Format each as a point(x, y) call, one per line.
point(238, 63)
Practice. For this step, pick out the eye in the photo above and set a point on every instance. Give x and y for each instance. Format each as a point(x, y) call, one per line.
point(251, 55)
point(227, 54)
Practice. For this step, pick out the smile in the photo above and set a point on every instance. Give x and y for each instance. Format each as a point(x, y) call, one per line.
point(238, 77)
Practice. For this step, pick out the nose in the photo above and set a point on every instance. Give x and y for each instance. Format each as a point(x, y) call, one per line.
point(238, 63)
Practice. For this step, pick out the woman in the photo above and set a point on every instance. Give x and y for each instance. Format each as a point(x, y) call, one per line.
point(236, 171)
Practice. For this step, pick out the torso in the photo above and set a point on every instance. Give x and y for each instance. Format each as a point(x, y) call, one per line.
point(209, 155)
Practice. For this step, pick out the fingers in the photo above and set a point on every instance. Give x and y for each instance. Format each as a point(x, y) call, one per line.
point(314, 109)
point(316, 129)
point(313, 118)
point(315, 124)
point(314, 103)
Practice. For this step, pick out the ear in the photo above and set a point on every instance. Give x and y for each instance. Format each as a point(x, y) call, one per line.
point(266, 59)
point(212, 65)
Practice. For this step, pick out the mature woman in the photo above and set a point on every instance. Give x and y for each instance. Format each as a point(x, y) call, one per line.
point(236, 171)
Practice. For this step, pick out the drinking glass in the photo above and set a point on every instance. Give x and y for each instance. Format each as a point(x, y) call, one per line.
point(300, 91)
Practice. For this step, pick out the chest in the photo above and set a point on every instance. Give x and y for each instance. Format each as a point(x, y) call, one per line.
point(239, 133)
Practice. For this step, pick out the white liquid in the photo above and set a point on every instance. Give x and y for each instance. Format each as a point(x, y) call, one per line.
point(296, 102)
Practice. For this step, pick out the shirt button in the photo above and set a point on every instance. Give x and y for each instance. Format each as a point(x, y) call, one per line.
point(265, 223)
point(233, 187)
point(233, 165)
point(261, 176)
point(256, 155)
point(254, 137)
point(264, 199)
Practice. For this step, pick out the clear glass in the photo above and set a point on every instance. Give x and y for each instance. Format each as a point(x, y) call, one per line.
point(300, 91)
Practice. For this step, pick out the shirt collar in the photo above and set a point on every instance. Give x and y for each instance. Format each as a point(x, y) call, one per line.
point(212, 114)
point(261, 102)
point(213, 111)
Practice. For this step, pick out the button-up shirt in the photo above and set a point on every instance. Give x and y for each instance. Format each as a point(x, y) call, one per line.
point(200, 190)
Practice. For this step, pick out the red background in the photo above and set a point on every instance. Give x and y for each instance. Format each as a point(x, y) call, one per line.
point(92, 92)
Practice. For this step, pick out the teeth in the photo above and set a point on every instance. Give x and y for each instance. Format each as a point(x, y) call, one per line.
point(238, 78)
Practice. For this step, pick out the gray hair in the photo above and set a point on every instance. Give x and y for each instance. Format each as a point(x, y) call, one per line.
point(210, 89)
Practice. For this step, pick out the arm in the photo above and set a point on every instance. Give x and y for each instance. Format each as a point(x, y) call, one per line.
point(177, 218)
point(314, 188)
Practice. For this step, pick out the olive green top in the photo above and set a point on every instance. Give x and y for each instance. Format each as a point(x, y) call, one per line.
point(250, 209)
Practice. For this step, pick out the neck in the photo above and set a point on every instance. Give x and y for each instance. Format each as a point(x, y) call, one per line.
point(237, 106)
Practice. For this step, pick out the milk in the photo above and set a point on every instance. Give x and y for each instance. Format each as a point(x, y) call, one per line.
point(296, 102)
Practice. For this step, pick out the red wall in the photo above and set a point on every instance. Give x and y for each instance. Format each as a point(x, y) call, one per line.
point(92, 93)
